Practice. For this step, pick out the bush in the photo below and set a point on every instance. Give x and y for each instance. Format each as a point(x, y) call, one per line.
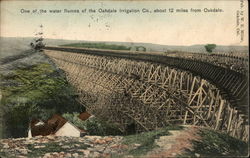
point(210, 47)
point(93, 125)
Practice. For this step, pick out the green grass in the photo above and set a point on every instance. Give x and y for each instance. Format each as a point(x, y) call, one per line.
point(146, 140)
point(98, 46)
point(216, 144)
point(212, 143)
point(38, 91)
point(31, 83)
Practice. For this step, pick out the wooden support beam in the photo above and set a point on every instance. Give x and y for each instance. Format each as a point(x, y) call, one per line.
point(219, 114)
point(167, 93)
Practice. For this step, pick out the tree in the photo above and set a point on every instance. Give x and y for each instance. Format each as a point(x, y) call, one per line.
point(209, 47)
point(38, 41)
point(140, 48)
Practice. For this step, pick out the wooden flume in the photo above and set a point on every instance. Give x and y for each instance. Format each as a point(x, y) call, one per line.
point(147, 94)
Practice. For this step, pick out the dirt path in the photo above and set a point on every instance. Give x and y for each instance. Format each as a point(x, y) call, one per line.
point(176, 143)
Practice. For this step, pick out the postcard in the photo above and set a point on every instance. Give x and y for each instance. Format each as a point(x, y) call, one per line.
point(131, 78)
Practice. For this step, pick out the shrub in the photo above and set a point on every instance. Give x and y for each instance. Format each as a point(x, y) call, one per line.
point(93, 125)
point(210, 47)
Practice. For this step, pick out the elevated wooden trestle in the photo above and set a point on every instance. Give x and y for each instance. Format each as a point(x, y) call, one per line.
point(151, 95)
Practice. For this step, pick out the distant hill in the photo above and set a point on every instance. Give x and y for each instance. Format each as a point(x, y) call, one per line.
point(18, 43)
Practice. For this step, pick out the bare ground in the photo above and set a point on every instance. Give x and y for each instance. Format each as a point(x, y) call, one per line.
point(176, 143)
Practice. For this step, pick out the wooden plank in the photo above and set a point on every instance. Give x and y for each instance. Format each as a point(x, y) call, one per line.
point(185, 118)
point(219, 114)
point(230, 120)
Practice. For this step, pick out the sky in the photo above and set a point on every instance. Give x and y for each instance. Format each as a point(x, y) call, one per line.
point(159, 28)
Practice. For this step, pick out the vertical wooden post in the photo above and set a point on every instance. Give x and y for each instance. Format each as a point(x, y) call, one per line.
point(219, 114)
point(181, 80)
point(210, 108)
point(230, 120)
point(191, 90)
point(185, 118)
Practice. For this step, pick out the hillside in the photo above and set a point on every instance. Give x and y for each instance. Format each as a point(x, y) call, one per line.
point(31, 87)
point(24, 42)
point(189, 141)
